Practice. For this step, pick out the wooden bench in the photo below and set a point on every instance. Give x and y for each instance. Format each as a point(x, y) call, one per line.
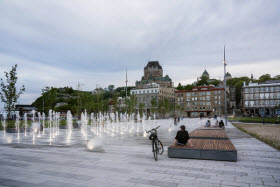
point(210, 128)
point(208, 145)
point(209, 134)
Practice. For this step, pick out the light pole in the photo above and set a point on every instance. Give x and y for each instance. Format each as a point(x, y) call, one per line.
point(43, 90)
point(126, 93)
point(225, 84)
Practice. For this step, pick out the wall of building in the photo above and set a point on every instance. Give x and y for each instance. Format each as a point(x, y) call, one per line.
point(261, 99)
point(209, 102)
point(153, 72)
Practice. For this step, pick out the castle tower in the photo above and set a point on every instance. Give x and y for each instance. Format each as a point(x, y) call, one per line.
point(153, 68)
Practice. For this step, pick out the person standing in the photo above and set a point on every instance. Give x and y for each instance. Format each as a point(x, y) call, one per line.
point(175, 120)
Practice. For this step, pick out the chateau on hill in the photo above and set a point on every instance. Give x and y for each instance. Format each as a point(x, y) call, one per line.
point(153, 73)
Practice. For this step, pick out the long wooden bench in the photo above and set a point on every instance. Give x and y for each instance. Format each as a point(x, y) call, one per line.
point(210, 128)
point(208, 144)
point(209, 134)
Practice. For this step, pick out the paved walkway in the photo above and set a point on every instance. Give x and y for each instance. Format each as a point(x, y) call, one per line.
point(127, 161)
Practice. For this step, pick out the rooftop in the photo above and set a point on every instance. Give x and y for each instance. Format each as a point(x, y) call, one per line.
point(153, 64)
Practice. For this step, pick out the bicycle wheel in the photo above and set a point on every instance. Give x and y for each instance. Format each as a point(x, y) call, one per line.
point(160, 147)
point(155, 149)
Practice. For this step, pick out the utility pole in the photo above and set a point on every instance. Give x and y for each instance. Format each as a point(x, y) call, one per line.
point(225, 84)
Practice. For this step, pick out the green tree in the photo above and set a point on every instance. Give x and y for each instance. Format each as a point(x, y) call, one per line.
point(276, 77)
point(188, 87)
point(8, 93)
point(203, 81)
point(180, 87)
point(215, 82)
point(160, 107)
point(141, 108)
point(165, 106)
point(132, 103)
point(154, 106)
point(265, 77)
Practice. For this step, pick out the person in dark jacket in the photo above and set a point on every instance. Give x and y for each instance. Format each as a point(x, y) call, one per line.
point(221, 124)
point(182, 137)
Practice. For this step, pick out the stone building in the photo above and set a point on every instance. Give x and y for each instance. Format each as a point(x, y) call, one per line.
point(205, 74)
point(228, 76)
point(204, 100)
point(153, 73)
point(261, 99)
point(150, 92)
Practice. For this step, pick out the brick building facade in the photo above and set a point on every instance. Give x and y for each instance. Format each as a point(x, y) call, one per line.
point(205, 100)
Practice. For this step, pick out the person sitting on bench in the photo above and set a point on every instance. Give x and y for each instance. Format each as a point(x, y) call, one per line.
point(221, 124)
point(182, 137)
point(216, 124)
point(208, 124)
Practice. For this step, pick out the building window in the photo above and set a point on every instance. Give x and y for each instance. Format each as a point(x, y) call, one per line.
point(188, 94)
point(208, 93)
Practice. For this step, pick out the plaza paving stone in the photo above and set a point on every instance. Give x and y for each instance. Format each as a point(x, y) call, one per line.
point(126, 160)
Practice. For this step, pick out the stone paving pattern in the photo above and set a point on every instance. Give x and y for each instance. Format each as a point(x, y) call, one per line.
point(128, 161)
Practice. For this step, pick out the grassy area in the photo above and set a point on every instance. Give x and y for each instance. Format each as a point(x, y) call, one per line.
point(270, 134)
point(252, 119)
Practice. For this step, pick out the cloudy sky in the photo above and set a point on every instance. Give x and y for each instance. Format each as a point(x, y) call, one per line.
point(60, 43)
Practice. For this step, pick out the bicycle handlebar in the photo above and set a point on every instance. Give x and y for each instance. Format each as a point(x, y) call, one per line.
point(154, 129)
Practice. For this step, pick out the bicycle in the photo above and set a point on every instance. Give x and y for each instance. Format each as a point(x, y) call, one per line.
point(156, 143)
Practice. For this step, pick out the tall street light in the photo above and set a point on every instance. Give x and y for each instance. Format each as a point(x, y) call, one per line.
point(225, 84)
point(126, 92)
point(45, 89)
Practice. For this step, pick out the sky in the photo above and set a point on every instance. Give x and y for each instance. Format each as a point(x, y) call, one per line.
point(66, 42)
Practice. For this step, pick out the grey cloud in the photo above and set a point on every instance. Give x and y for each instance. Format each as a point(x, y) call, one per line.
point(97, 40)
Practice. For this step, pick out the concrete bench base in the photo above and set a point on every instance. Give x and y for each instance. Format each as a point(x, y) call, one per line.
point(206, 154)
point(208, 149)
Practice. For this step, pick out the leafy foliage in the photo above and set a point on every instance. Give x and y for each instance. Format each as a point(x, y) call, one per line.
point(8, 93)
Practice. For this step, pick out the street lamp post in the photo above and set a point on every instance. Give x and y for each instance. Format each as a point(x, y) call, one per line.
point(43, 90)
point(126, 93)
point(225, 84)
